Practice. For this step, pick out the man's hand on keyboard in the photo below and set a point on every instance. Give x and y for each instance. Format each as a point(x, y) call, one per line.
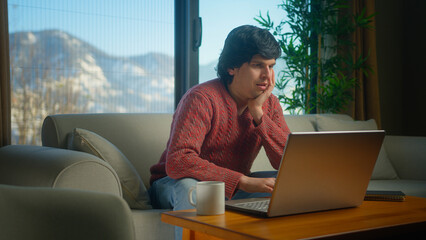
point(250, 184)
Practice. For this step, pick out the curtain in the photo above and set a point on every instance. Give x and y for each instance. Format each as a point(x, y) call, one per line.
point(366, 104)
point(5, 115)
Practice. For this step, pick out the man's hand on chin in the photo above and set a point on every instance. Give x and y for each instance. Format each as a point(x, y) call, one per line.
point(255, 105)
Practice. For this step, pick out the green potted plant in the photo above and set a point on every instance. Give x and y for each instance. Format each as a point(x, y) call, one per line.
point(318, 52)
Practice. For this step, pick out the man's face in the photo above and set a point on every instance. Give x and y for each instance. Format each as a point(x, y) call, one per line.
point(252, 78)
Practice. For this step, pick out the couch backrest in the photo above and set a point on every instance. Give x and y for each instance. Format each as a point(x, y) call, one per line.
point(142, 137)
point(296, 123)
point(308, 122)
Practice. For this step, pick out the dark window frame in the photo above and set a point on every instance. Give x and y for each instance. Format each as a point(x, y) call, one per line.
point(188, 32)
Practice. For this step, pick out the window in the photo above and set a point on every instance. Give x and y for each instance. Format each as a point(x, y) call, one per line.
point(233, 14)
point(78, 56)
point(226, 16)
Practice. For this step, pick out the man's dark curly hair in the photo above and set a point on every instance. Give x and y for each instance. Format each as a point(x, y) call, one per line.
point(241, 45)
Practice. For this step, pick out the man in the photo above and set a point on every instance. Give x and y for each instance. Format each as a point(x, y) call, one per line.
point(219, 126)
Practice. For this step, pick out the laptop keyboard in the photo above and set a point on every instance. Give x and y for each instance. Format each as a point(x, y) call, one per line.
point(256, 205)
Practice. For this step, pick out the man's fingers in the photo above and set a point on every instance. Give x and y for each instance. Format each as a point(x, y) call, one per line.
point(270, 183)
point(250, 184)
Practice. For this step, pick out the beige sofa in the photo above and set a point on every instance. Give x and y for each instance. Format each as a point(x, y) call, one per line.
point(138, 141)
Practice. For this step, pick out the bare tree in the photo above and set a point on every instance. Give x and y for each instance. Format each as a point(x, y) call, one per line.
point(40, 88)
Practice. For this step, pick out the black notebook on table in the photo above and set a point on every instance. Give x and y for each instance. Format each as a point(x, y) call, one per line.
point(377, 195)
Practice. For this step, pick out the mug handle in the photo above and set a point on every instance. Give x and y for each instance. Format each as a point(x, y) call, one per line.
point(191, 201)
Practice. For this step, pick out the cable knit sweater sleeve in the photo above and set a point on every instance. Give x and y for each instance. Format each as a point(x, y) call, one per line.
point(192, 123)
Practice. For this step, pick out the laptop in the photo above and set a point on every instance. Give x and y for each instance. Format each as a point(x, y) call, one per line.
point(319, 171)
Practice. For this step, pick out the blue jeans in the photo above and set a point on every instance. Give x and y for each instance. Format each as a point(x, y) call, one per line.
point(168, 193)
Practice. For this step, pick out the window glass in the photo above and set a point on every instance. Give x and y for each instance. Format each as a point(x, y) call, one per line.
point(220, 17)
point(79, 56)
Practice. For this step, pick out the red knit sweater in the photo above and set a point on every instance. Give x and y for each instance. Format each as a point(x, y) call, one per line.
point(210, 142)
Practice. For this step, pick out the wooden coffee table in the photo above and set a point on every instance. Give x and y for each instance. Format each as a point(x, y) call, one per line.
point(373, 219)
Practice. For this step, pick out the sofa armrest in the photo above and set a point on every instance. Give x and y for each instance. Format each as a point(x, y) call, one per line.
point(45, 213)
point(37, 166)
point(408, 156)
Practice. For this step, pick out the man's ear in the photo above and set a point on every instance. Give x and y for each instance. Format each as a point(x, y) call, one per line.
point(231, 71)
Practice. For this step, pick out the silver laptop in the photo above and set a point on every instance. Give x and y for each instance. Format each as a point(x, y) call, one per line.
point(319, 171)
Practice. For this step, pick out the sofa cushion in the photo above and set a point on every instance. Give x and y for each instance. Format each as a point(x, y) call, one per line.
point(148, 225)
point(299, 123)
point(383, 168)
point(326, 123)
point(41, 213)
point(134, 191)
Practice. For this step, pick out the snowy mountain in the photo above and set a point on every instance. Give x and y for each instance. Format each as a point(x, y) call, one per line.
point(99, 82)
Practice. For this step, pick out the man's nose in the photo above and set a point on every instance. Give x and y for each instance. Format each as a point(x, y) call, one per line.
point(267, 71)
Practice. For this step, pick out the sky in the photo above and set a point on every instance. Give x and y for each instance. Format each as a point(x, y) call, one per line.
point(136, 27)
point(219, 21)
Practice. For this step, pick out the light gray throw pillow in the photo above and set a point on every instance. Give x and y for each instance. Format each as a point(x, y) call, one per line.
point(383, 168)
point(134, 191)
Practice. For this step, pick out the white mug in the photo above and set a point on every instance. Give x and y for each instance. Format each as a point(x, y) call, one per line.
point(210, 197)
